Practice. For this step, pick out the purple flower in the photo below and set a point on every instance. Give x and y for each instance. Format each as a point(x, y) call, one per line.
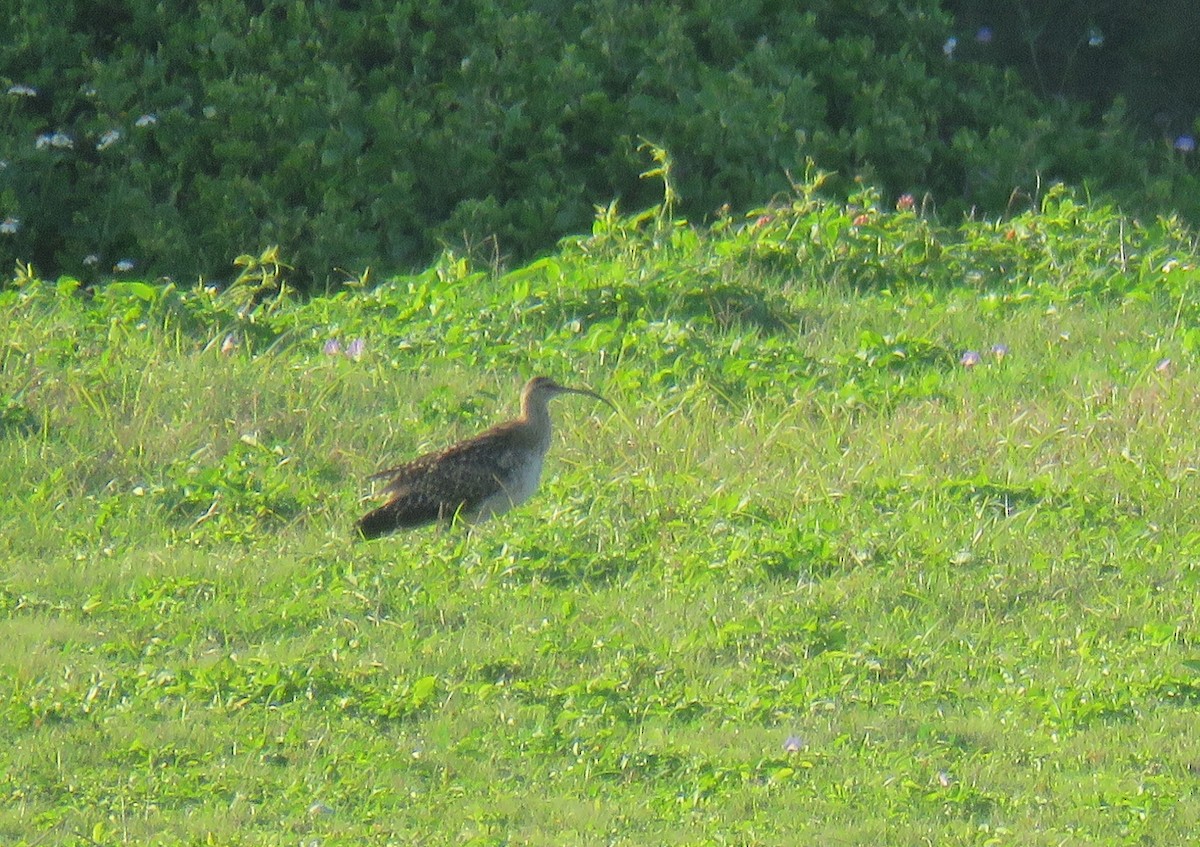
point(949, 47)
point(356, 349)
point(1095, 37)
point(984, 35)
point(9, 226)
point(999, 351)
point(124, 266)
point(229, 344)
point(332, 347)
point(1185, 143)
point(945, 779)
point(793, 744)
point(970, 359)
point(1163, 366)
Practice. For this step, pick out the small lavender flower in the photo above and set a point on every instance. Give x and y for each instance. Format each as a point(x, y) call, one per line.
point(1163, 366)
point(970, 359)
point(999, 351)
point(19, 90)
point(149, 119)
point(10, 226)
point(229, 344)
point(332, 347)
point(91, 259)
point(108, 139)
point(124, 265)
point(984, 35)
point(3, 164)
point(793, 744)
point(945, 779)
point(949, 47)
point(356, 349)
point(1095, 37)
point(1185, 143)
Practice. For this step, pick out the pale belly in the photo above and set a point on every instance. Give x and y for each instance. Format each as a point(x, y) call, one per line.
point(519, 488)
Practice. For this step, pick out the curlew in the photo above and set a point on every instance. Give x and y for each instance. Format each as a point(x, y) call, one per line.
point(475, 479)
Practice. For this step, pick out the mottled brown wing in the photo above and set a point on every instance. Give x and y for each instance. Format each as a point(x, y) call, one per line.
point(441, 485)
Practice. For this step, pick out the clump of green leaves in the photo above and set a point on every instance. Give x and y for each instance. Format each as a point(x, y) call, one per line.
point(500, 131)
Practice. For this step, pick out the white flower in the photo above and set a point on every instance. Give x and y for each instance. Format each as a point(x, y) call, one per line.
point(19, 90)
point(9, 226)
point(210, 112)
point(3, 164)
point(59, 140)
point(108, 139)
point(1095, 37)
point(124, 265)
point(949, 47)
point(146, 120)
point(91, 259)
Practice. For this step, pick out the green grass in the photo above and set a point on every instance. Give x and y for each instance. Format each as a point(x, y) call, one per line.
point(969, 591)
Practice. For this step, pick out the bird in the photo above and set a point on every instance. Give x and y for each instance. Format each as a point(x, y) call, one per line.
point(475, 479)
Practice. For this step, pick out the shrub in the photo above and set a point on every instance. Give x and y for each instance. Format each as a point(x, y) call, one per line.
point(173, 137)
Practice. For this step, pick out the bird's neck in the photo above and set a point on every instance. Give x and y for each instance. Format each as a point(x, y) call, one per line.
point(536, 417)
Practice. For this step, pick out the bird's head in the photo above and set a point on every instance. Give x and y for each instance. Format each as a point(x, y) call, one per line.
point(540, 390)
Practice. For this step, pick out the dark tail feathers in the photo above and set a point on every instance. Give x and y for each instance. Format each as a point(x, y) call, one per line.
point(393, 516)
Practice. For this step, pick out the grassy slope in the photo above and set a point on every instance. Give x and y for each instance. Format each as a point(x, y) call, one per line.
point(969, 591)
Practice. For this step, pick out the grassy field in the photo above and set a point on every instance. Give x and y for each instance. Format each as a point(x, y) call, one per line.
point(894, 541)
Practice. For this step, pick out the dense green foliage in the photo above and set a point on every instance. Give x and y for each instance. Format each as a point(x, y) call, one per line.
point(1095, 51)
point(173, 136)
point(892, 542)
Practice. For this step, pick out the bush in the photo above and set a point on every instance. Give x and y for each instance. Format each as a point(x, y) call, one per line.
point(173, 137)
